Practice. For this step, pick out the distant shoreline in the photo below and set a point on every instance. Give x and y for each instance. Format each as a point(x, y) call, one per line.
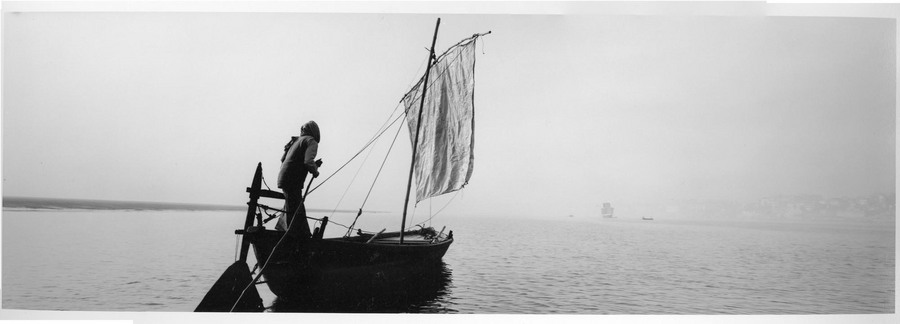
point(43, 204)
point(60, 203)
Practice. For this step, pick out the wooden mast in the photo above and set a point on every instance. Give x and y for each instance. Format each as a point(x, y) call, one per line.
point(412, 164)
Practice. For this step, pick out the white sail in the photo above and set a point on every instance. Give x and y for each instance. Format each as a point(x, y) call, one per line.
point(444, 158)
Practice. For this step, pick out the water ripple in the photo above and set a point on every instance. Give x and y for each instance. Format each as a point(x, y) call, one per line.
point(532, 267)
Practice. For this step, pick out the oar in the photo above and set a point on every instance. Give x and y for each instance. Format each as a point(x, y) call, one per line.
point(223, 294)
point(228, 294)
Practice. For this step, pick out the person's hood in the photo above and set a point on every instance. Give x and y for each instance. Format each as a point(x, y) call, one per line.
point(311, 129)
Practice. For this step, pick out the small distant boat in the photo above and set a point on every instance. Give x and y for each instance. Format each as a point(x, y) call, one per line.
point(607, 210)
point(647, 218)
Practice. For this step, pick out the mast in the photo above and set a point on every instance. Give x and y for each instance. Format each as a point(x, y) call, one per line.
point(412, 163)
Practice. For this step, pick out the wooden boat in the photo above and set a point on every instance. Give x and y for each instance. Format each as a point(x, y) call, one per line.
point(318, 265)
point(441, 122)
point(422, 292)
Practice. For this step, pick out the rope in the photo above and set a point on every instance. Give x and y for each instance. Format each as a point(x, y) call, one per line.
point(440, 210)
point(263, 208)
point(382, 166)
point(329, 221)
point(412, 216)
point(272, 216)
point(338, 204)
point(349, 229)
point(264, 182)
point(357, 153)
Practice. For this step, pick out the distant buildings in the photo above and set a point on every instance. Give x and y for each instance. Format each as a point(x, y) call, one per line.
point(814, 206)
point(788, 207)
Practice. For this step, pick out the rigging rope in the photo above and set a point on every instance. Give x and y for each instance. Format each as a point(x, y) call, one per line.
point(440, 210)
point(338, 204)
point(350, 229)
point(382, 166)
point(357, 153)
point(329, 221)
point(264, 182)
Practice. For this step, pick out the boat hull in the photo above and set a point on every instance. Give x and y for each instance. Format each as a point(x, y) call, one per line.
point(335, 266)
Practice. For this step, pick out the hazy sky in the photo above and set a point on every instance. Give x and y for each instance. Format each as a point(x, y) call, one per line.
point(571, 111)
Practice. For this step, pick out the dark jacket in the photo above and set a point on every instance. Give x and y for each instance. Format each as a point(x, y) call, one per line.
point(299, 157)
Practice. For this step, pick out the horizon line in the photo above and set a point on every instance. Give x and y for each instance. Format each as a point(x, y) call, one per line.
point(84, 203)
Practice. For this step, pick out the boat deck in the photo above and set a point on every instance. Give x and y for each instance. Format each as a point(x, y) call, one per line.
point(407, 239)
point(417, 237)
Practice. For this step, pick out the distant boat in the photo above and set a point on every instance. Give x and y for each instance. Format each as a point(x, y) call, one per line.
point(607, 210)
point(647, 218)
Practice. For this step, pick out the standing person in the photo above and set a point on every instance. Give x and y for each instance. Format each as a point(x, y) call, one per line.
point(298, 159)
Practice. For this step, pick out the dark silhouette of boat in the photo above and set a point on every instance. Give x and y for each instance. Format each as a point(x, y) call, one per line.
point(310, 271)
point(315, 265)
point(422, 289)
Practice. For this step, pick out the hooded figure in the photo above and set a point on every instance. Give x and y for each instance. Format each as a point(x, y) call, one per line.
point(298, 159)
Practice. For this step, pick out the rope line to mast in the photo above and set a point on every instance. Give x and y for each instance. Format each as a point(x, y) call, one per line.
point(357, 153)
point(439, 210)
point(338, 204)
point(382, 166)
point(386, 155)
point(319, 220)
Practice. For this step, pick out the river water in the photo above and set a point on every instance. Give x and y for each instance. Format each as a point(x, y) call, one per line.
point(166, 260)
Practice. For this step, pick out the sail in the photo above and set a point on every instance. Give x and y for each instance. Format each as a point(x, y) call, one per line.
point(444, 158)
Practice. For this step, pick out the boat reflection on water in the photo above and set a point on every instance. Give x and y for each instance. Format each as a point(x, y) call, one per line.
point(396, 290)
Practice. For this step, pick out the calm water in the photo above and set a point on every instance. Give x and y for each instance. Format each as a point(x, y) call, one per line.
point(166, 261)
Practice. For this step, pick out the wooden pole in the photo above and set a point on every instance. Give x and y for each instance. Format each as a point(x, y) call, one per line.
point(412, 164)
point(251, 210)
